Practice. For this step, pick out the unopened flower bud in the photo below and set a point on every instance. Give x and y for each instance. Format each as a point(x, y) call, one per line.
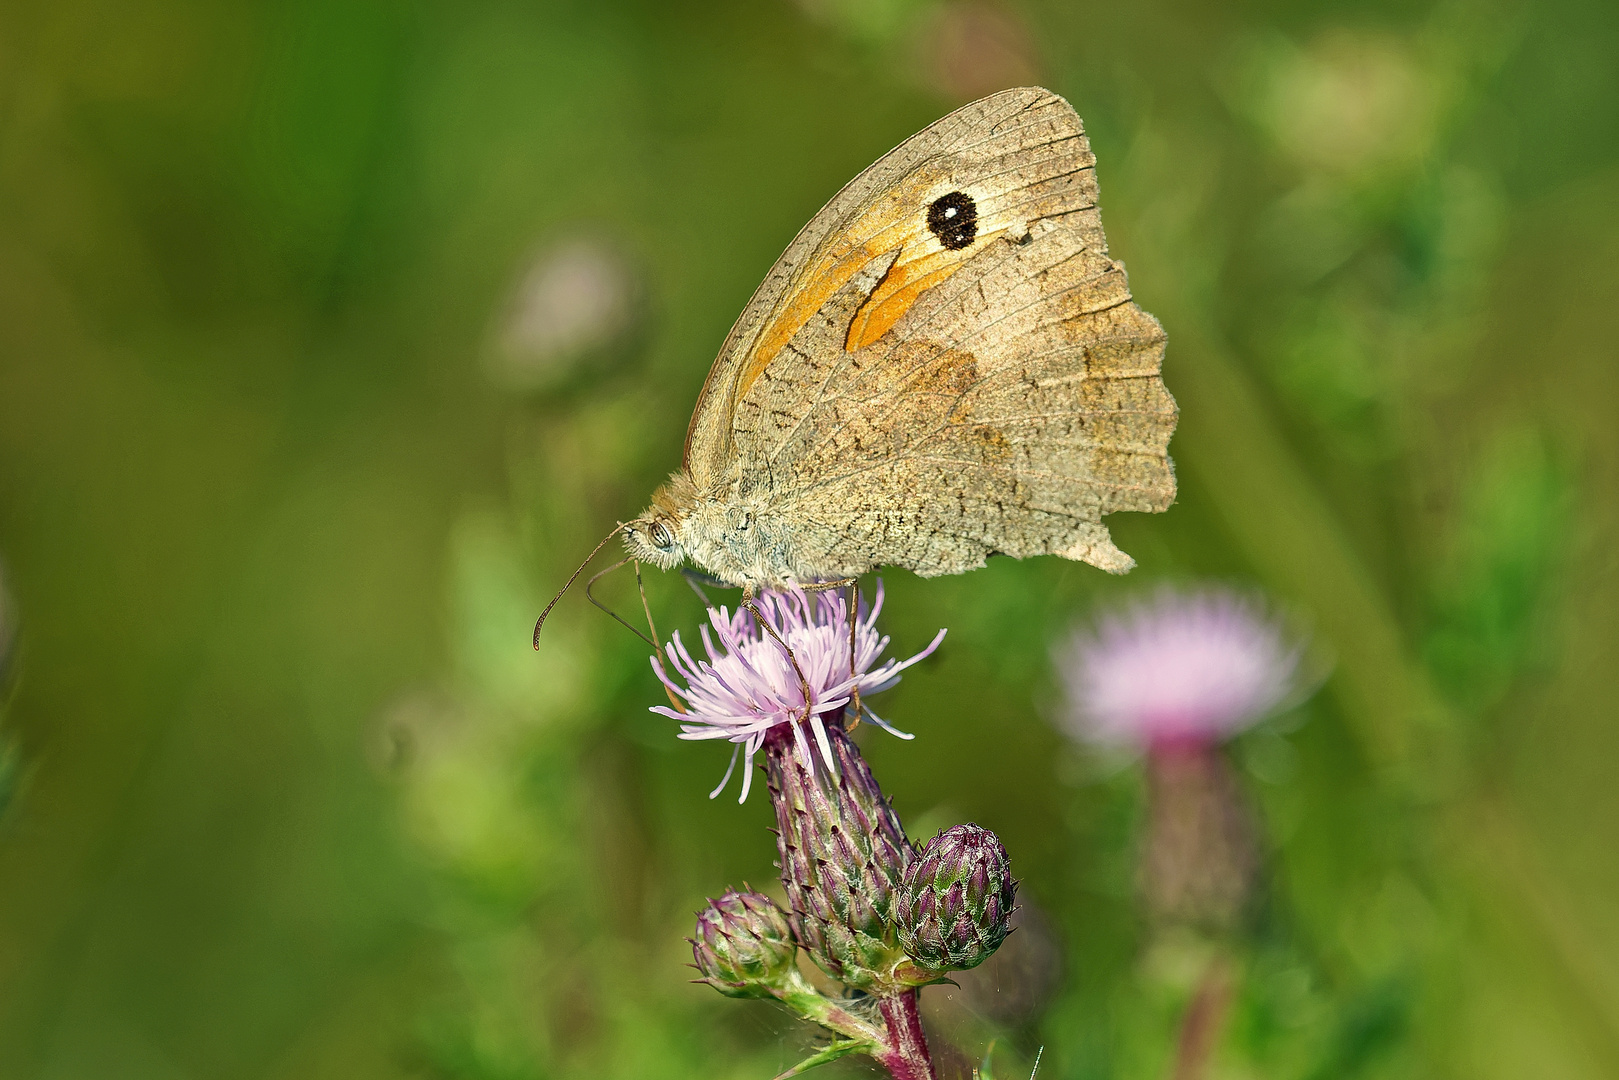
point(842, 851)
point(743, 946)
point(955, 902)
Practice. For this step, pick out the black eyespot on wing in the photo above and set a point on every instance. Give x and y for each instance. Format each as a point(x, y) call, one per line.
point(953, 218)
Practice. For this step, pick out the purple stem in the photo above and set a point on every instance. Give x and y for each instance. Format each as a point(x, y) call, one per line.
point(906, 1053)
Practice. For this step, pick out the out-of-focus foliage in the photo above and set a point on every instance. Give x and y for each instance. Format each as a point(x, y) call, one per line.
point(293, 447)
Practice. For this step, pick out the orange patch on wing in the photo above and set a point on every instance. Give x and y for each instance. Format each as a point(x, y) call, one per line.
point(830, 275)
point(897, 220)
point(894, 295)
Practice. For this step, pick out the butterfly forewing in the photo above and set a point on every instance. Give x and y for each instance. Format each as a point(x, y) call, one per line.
point(1025, 150)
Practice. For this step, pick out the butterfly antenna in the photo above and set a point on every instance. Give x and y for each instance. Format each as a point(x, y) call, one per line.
point(540, 622)
point(591, 584)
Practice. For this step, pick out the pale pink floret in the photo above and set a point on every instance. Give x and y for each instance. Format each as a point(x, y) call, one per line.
point(1181, 667)
point(747, 687)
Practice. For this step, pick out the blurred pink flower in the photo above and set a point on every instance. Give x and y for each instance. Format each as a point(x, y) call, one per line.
point(1182, 667)
point(747, 688)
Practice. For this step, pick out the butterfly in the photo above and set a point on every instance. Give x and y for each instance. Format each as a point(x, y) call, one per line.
point(945, 364)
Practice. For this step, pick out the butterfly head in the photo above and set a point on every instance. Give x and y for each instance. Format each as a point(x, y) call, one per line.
point(656, 535)
point(653, 540)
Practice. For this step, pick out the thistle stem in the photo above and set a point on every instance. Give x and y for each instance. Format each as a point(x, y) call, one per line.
point(798, 995)
point(905, 1052)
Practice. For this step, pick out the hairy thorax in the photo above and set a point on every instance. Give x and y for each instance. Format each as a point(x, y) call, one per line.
point(743, 540)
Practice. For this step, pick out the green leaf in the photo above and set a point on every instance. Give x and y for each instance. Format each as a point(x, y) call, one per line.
point(841, 1048)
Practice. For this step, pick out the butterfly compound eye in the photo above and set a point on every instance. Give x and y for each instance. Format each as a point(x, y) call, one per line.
point(660, 536)
point(953, 218)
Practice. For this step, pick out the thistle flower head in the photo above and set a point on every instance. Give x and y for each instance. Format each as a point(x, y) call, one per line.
point(1181, 667)
point(747, 687)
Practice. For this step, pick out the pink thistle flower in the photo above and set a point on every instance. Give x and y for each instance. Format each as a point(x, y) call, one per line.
point(747, 688)
point(1183, 667)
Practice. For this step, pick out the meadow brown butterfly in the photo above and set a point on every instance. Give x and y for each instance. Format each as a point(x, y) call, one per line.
point(945, 364)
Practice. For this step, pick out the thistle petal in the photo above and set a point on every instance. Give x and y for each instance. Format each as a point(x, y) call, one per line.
point(747, 687)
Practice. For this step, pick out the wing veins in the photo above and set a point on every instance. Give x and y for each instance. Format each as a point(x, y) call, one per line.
point(1042, 474)
point(943, 307)
point(901, 224)
point(961, 148)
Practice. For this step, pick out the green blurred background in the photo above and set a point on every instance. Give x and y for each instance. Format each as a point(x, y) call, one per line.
point(333, 334)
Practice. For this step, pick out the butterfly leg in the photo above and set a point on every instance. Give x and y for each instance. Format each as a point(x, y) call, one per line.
point(853, 585)
point(697, 579)
point(854, 619)
point(803, 683)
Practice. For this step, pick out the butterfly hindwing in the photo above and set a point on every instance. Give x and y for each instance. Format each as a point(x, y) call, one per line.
point(1006, 412)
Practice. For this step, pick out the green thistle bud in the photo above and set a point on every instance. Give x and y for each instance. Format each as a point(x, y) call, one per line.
point(954, 905)
point(744, 947)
